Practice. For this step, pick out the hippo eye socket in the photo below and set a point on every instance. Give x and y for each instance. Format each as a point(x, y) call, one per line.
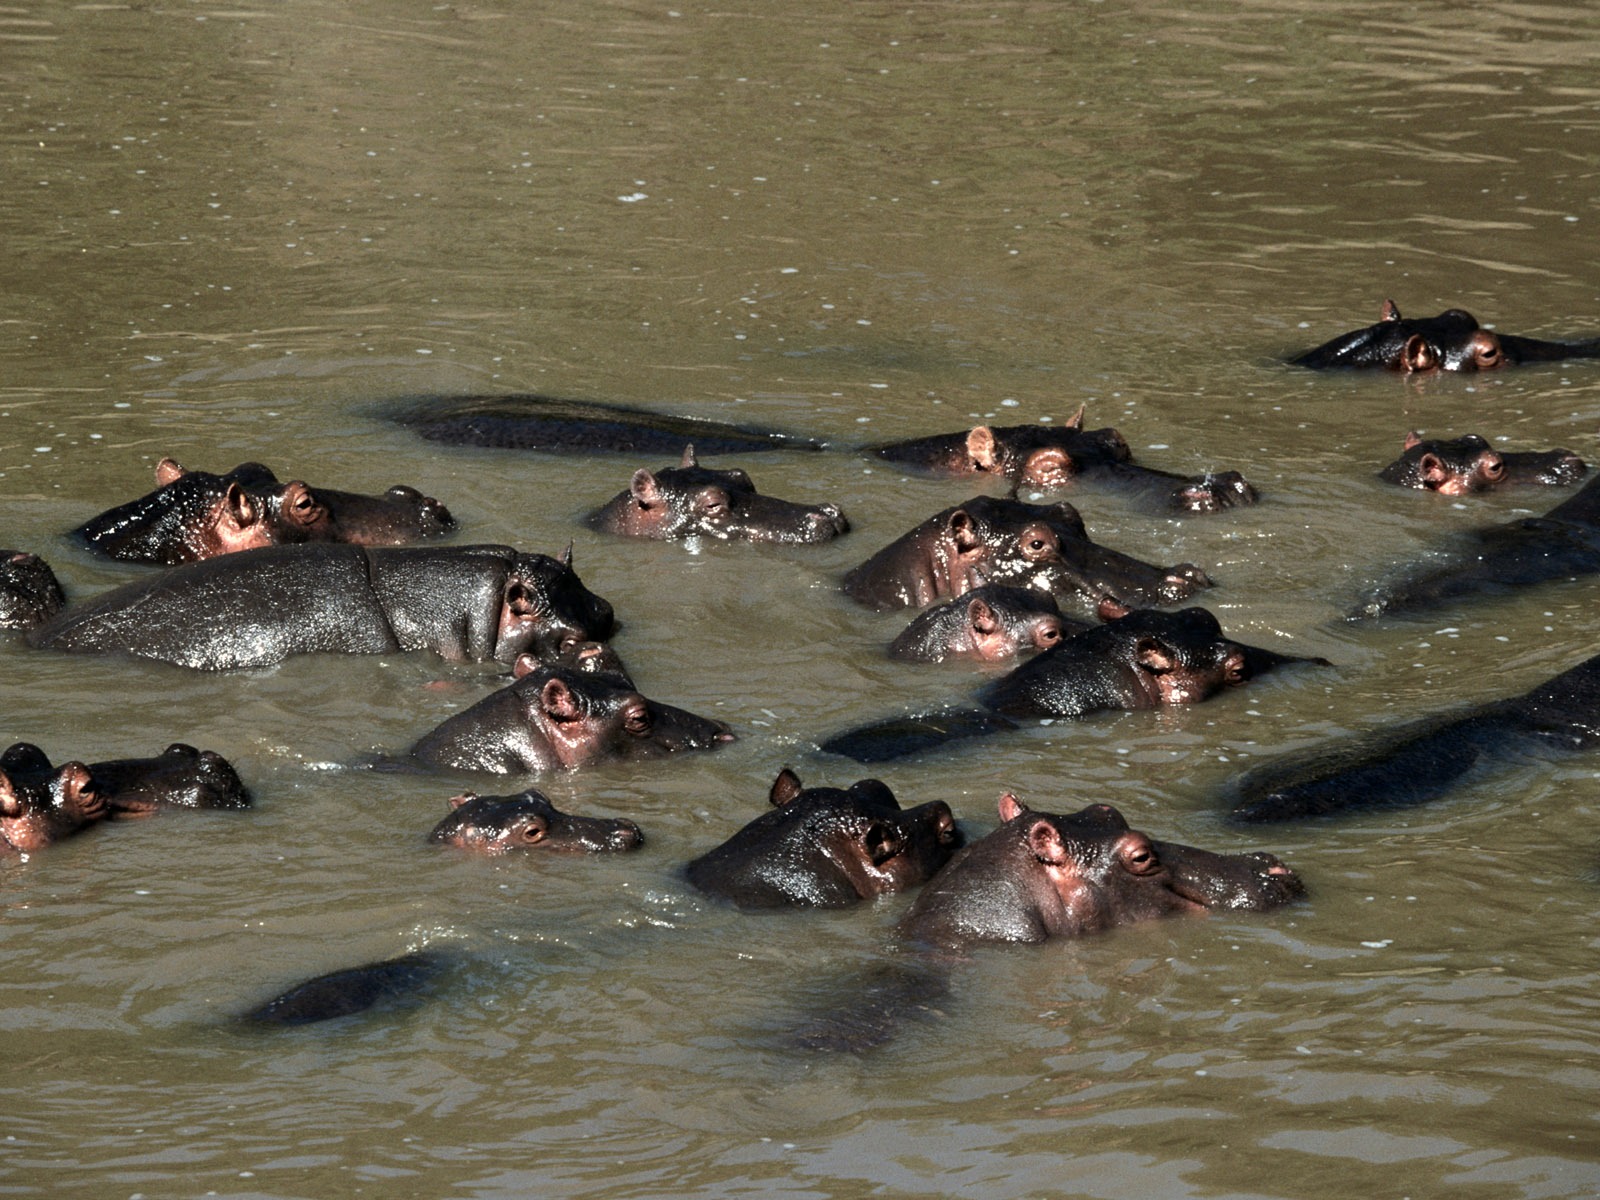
point(637, 720)
point(1493, 466)
point(1140, 859)
point(531, 834)
point(1049, 635)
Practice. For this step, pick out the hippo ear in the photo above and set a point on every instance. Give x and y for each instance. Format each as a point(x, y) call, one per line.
point(10, 800)
point(1389, 312)
point(1431, 470)
point(1075, 421)
point(1111, 609)
point(300, 505)
point(882, 842)
point(1152, 655)
point(642, 487)
point(784, 788)
point(463, 798)
point(558, 702)
point(981, 617)
point(1010, 807)
point(963, 533)
point(519, 600)
point(240, 507)
point(1044, 839)
point(566, 555)
point(688, 459)
point(169, 470)
point(1417, 355)
point(1412, 439)
point(981, 448)
point(526, 664)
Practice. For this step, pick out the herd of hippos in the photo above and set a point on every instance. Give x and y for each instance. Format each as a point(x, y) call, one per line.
point(254, 570)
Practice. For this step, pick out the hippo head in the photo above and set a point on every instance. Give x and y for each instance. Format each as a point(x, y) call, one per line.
point(37, 811)
point(546, 609)
point(29, 592)
point(526, 821)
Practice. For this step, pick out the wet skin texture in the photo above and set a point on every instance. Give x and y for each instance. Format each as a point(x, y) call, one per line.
point(355, 990)
point(1452, 341)
point(690, 501)
point(1562, 544)
point(827, 848)
point(1051, 457)
point(991, 623)
point(1457, 466)
point(29, 591)
point(194, 515)
point(1141, 659)
point(992, 540)
point(258, 607)
point(1041, 876)
point(553, 718)
point(38, 809)
point(1425, 759)
point(179, 777)
point(528, 821)
point(526, 422)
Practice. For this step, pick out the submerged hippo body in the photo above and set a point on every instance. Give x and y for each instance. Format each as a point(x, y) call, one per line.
point(29, 591)
point(179, 777)
point(1452, 341)
point(502, 824)
point(1041, 876)
point(194, 515)
point(528, 422)
point(1425, 759)
point(994, 540)
point(1055, 456)
point(991, 623)
point(258, 607)
point(827, 848)
point(1138, 660)
point(346, 993)
point(690, 501)
point(38, 809)
point(553, 718)
point(1562, 544)
point(1458, 466)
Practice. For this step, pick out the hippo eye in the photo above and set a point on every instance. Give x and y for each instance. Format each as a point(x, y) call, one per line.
point(1049, 635)
point(1140, 859)
point(637, 720)
point(1493, 466)
point(1487, 353)
point(713, 503)
point(531, 833)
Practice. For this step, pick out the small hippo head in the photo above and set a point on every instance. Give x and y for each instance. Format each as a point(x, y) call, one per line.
point(300, 513)
point(590, 718)
point(991, 623)
point(546, 609)
point(828, 847)
point(500, 824)
point(35, 810)
point(1458, 466)
point(29, 592)
point(689, 501)
point(179, 777)
point(1451, 341)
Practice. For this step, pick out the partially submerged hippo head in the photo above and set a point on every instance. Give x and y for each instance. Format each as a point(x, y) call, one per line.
point(547, 610)
point(526, 821)
point(1041, 876)
point(828, 847)
point(38, 810)
point(991, 623)
point(1458, 466)
point(179, 777)
point(29, 592)
point(689, 501)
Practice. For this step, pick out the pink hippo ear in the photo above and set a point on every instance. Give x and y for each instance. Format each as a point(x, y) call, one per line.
point(1075, 421)
point(1153, 656)
point(642, 487)
point(981, 617)
point(1431, 470)
point(784, 788)
point(1010, 807)
point(558, 702)
point(981, 449)
point(463, 798)
point(688, 459)
point(239, 507)
point(1044, 839)
point(1417, 355)
point(1413, 439)
point(1389, 312)
point(169, 470)
point(526, 664)
point(963, 533)
point(300, 505)
point(10, 801)
point(519, 601)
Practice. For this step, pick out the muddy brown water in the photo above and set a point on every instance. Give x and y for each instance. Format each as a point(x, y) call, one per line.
point(230, 231)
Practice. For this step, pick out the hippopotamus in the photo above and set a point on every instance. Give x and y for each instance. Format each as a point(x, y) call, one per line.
point(1055, 456)
point(1004, 540)
point(690, 501)
point(258, 607)
point(1042, 876)
point(38, 810)
point(1457, 466)
point(554, 718)
point(29, 591)
point(194, 515)
point(1426, 758)
point(1452, 341)
point(827, 847)
point(991, 623)
point(500, 824)
point(179, 777)
point(345, 993)
point(1140, 659)
point(529, 422)
point(1563, 543)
